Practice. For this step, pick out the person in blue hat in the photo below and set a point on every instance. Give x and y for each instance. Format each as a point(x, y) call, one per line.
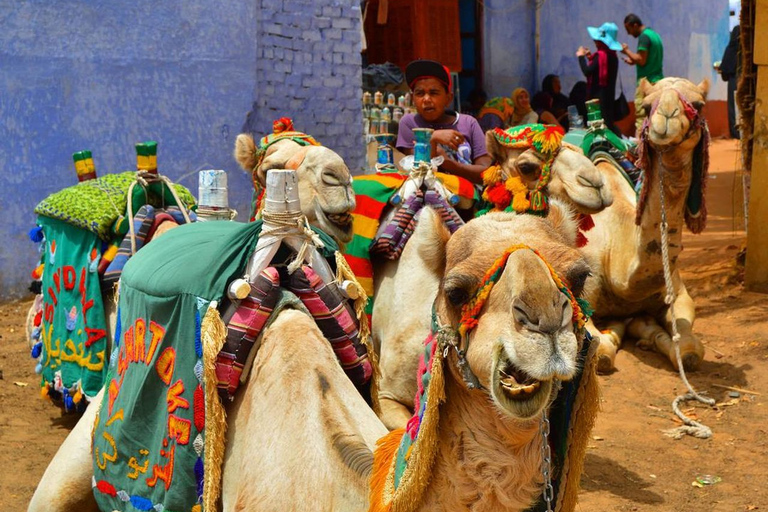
point(601, 69)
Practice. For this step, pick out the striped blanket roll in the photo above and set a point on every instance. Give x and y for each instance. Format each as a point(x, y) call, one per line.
point(372, 193)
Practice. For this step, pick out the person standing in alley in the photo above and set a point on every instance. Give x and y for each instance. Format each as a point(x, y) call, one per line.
point(649, 59)
point(730, 70)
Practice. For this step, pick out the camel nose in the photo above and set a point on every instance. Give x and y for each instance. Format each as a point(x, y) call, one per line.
point(544, 320)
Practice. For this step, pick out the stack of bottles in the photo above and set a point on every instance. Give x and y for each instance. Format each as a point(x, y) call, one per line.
point(380, 110)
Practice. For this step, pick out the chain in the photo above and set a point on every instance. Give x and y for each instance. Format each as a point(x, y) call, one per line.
point(546, 462)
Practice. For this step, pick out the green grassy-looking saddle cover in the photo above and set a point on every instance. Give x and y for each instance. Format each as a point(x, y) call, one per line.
point(96, 204)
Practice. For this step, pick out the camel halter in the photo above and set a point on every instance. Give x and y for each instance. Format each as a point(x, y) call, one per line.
point(448, 338)
point(470, 313)
point(512, 194)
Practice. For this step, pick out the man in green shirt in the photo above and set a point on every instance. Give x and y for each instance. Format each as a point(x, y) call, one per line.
point(648, 59)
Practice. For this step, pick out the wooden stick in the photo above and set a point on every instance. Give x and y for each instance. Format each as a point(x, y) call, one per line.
point(732, 388)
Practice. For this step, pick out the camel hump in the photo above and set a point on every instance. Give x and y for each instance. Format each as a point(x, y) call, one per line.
point(245, 151)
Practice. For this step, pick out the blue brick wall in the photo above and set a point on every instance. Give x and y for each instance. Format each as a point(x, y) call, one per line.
point(309, 69)
point(104, 75)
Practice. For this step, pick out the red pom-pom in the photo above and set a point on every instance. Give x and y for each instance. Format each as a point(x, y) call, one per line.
point(284, 124)
point(499, 195)
point(38, 318)
point(199, 404)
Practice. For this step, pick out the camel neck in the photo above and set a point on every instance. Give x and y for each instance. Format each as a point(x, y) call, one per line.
point(483, 462)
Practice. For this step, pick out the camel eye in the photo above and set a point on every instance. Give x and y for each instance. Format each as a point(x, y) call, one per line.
point(528, 168)
point(457, 296)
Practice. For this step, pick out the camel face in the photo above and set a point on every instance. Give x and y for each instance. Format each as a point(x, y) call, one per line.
point(525, 339)
point(670, 117)
point(325, 184)
point(575, 179)
point(326, 192)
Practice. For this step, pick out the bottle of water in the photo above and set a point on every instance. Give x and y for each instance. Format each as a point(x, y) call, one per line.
point(575, 121)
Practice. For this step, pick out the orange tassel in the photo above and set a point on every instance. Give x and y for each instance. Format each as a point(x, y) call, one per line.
point(386, 450)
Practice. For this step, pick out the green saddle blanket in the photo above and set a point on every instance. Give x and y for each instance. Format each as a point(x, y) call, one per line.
point(95, 205)
point(154, 440)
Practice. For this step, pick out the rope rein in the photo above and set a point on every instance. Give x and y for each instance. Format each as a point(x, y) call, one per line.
point(691, 427)
point(291, 223)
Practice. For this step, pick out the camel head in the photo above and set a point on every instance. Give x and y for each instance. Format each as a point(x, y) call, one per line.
point(325, 183)
point(524, 339)
point(674, 107)
point(573, 178)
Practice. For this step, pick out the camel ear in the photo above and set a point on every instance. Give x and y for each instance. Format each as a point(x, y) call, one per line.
point(433, 236)
point(245, 152)
point(704, 86)
point(645, 86)
point(296, 160)
point(495, 149)
point(564, 219)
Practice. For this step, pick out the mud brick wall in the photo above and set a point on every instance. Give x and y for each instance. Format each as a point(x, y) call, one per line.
point(309, 69)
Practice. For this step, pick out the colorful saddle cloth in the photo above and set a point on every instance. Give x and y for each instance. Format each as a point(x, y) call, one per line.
point(372, 195)
point(73, 332)
point(158, 438)
point(96, 204)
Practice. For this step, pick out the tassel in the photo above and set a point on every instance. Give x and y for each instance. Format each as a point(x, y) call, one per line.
point(539, 201)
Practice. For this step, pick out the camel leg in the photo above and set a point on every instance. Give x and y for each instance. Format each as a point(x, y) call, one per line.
point(691, 349)
point(649, 334)
point(393, 413)
point(66, 483)
point(610, 341)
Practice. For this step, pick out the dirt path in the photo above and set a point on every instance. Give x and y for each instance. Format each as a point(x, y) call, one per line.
point(631, 465)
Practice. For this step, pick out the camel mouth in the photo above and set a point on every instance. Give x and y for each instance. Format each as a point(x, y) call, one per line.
point(338, 225)
point(516, 392)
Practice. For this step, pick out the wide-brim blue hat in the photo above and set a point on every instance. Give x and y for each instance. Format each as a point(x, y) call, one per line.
point(606, 33)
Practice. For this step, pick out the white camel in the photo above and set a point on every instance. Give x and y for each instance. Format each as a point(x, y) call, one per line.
point(625, 249)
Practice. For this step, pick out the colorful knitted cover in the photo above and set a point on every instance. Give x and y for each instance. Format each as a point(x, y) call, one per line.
point(696, 205)
point(503, 193)
point(73, 331)
point(96, 204)
point(404, 458)
point(372, 195)
point(159, 431)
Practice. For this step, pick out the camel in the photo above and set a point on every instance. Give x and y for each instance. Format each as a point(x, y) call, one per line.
point(627, 289)
point(325, 184)
point(313, 436)
point(404, 287)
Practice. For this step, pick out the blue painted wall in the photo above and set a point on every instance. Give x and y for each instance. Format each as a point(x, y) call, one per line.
point(695, 33)
point(189, 74)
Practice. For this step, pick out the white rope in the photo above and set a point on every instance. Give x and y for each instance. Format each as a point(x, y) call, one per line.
point(291, 223)
point(691, 427)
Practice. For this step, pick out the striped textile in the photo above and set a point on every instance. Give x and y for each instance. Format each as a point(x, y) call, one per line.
point(243, 329)
point(142, 223)
point(336, 321)
point(372, 193)
point(392, 240)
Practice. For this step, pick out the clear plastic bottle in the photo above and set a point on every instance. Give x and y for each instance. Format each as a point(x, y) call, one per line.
point(575, 121)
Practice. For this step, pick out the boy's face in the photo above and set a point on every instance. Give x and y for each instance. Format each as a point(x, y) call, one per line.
point(431, 98)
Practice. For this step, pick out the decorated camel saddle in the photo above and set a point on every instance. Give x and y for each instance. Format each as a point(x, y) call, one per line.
point(190, 315)
point(389, 203)
point(86, 233)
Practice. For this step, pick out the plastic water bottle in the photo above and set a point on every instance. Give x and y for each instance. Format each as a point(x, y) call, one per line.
point(575, 121)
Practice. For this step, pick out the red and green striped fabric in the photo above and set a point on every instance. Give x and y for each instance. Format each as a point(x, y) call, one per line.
point(372, 193)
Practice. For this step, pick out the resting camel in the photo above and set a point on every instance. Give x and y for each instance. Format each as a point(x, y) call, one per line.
point(404, 287)
point(300, 436)
point(625, 247)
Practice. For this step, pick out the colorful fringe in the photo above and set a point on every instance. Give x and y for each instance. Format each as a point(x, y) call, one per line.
point(510, 193)
point(372, 193)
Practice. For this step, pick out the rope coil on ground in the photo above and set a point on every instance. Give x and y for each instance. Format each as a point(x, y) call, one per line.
point(691, 427)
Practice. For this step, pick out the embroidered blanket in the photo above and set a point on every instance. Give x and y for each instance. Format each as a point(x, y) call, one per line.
point(150, 444)
point(73, 331)
point(95, 205)
point(372, 194)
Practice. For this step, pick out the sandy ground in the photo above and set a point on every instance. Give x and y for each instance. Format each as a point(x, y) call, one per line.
point(631, 465)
